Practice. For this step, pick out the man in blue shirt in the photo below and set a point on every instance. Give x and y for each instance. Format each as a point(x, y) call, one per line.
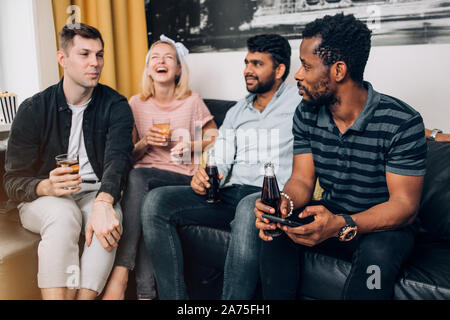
point(367, 150)
point(258, 129)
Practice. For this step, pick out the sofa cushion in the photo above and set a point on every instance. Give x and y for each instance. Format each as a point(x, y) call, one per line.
point(426, 275)
point(18, 259)
point(434, 214)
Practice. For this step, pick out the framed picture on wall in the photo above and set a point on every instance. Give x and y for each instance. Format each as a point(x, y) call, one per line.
point(224, 25)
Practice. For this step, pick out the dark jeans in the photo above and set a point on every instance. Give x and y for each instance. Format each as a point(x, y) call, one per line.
point(131, 252)
point(241, 270)
point(386, 251)
point(167, 208)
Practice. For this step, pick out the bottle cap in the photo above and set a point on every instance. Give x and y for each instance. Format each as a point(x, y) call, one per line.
point(269, 169)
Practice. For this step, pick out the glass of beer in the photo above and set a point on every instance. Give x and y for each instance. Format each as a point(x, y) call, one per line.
point(163, 124)
point(65, 160)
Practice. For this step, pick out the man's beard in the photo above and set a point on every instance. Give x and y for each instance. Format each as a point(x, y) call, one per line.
point(262, 86)
point(322, 95)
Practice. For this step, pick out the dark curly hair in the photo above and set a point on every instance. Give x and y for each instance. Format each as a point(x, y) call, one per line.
point(276, 45)
point(344, 38)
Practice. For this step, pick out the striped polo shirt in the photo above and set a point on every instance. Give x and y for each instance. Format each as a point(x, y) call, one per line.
point(387, 136)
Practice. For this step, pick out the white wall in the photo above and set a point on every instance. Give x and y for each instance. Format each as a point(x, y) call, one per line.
point(27, 47)
point(416, 74)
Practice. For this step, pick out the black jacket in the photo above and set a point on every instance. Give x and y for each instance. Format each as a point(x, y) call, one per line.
point(41, 131)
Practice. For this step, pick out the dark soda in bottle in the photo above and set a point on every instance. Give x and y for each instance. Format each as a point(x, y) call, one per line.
point(270, 195)
point(212, 193)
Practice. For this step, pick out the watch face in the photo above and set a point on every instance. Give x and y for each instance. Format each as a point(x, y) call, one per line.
point(348, 233)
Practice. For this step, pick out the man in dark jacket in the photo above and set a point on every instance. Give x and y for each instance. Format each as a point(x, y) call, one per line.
point(91, 122)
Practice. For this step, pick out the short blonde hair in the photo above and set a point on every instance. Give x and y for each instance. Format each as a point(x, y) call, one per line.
point(182, 85)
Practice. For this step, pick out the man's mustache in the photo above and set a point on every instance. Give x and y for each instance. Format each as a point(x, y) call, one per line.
point(251, 77)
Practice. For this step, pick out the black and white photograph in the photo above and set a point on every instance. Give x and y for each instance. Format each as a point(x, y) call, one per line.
point(224, 25)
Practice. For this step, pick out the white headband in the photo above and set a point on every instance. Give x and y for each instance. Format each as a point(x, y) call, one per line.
point(182, 51)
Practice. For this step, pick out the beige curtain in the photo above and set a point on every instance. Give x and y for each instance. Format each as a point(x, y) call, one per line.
point(123, 28)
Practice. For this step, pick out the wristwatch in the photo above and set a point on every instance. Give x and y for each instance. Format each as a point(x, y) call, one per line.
point(434, 133)
point(349, 231)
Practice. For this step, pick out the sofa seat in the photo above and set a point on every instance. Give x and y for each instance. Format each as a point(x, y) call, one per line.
point(425, 276)
point(18, 259)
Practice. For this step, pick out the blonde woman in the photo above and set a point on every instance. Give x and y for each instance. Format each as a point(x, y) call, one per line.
point(160, 160)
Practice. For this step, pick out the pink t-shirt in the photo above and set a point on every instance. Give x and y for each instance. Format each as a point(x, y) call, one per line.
point(187, 117)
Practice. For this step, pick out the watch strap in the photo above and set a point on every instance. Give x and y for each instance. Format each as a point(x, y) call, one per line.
point(348, 220)
point(349, 231)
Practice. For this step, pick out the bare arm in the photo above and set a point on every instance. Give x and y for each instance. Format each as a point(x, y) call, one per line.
point(400, 210)
point(209, 133)
point(440, 137)
point(300, 185)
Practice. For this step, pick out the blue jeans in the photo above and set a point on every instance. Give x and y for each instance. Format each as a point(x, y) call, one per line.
point(241, 271)
point(388, 250)
point(167, 208)
point(131, 252)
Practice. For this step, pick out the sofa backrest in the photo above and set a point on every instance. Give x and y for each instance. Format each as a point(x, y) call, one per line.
point(434, 211)
point(218, 109)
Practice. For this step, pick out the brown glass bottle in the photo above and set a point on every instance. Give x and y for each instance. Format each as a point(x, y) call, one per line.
point(270, 195)
point(212, 193)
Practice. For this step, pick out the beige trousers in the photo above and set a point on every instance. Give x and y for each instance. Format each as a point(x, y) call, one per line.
point(60, 221)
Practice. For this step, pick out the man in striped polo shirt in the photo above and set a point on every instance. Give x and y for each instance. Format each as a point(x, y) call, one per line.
point(368, 152)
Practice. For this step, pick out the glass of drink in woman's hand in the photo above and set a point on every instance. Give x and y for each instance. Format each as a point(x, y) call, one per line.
point(64, 161)
point(163, 124)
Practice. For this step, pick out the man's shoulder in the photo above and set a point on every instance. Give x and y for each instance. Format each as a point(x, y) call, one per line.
point(40, 100)
point(239, 106)
point(194, 96)
point(398, 110)
point(307, 111)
